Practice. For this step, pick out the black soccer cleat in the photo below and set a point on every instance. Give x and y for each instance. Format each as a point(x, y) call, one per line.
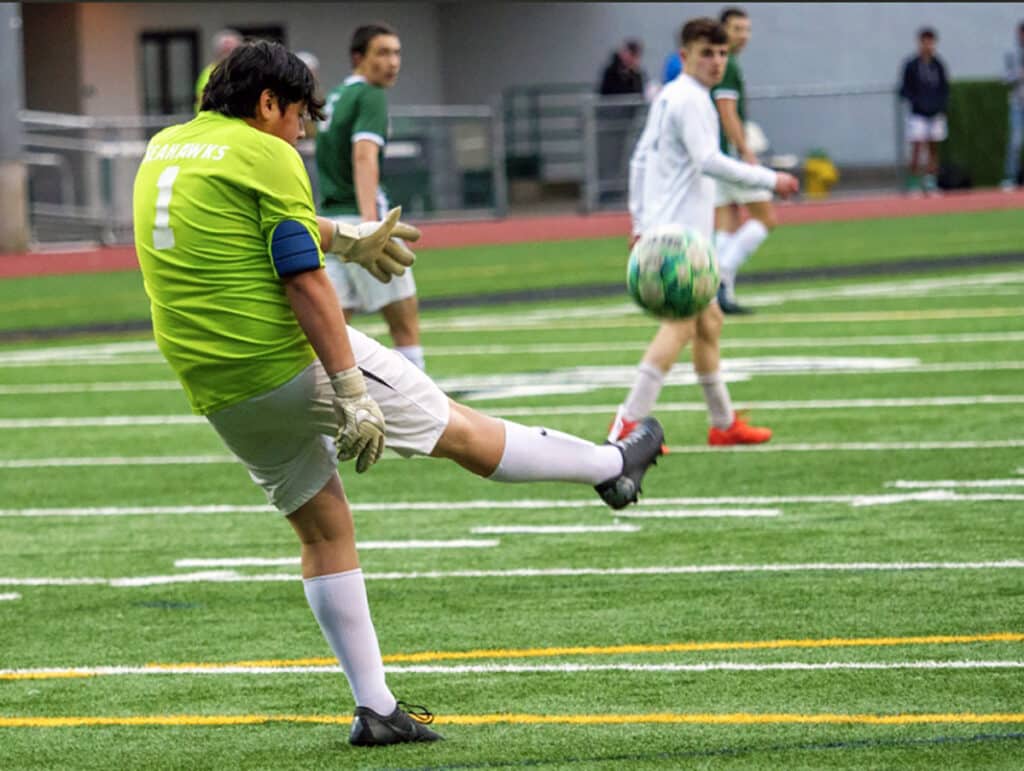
point(406, 724)
point(640, 451)
point(730, 306)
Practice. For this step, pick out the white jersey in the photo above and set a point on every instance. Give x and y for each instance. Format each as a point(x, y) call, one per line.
point(675, 156)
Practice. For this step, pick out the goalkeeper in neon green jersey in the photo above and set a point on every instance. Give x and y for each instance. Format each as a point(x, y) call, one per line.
point(231, 253)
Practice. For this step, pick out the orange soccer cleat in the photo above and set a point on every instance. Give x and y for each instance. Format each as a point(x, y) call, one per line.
point(739, 432)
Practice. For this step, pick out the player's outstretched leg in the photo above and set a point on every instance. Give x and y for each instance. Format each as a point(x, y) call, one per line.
point(504, 451)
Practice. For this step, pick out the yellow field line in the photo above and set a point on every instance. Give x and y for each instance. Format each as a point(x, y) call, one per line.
point(580, 650)
point(736, 718)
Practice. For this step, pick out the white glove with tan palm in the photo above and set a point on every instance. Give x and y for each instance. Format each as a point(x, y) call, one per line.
point(360, 421)
point(374, 245)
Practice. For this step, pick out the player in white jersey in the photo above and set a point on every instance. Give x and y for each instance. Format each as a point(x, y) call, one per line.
point(672, 181)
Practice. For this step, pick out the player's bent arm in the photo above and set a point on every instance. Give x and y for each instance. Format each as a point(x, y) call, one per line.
point(720, 166)
point(731, 123)
point(360, 421)
point(366, 176)
point(315, 305)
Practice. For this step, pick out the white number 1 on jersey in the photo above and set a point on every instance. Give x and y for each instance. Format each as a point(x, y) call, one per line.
point(163, 236)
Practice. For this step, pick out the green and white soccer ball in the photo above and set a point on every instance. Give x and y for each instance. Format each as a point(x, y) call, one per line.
point(673, 272)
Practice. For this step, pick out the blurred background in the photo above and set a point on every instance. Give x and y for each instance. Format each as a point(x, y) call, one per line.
point(497, 109)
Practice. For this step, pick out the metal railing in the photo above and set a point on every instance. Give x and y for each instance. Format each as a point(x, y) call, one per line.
point(442, 162)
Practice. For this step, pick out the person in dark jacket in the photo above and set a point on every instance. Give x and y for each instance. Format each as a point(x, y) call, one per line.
point(926, 88)
point(616, 123)
point(623, 74)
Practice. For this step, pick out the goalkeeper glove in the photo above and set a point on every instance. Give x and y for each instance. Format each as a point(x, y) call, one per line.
point(360, 422)
point(372, 245)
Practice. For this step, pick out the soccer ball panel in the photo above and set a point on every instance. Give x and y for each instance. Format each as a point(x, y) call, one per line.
point(672, 272)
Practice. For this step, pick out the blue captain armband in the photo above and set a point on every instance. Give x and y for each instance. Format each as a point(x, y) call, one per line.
point(293, 249)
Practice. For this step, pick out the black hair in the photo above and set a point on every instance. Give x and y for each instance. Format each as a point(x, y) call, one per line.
point(926, 33)
point(363, 35)
point(704, 28)
point(236, 83)
point(728, 13)
point(635, 47)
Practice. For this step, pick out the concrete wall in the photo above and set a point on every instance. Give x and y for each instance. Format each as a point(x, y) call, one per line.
point(110, 56)
point(51, 45)
point(489, 47)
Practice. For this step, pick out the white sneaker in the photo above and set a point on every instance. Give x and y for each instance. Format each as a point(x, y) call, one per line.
point(1008, 186)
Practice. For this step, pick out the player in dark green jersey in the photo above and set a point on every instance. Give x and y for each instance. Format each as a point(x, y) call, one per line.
point(231, 252)
point(349, 148)
point(735, 242)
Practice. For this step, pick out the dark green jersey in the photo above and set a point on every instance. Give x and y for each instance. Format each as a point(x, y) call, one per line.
point(731, 87)
point(355, 110)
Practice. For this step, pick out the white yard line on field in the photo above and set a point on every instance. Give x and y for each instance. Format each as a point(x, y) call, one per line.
point(643, 513)
point(231, 576)
point(552, 529)
point(9, 596)
point(910, 484)
point(647, 505)
point(43, 673)
point(240, 562)
point(107, 421)
point(141, 460)
point(570, 409)
point(994, 444)
point(74, 388)
point(811, 404)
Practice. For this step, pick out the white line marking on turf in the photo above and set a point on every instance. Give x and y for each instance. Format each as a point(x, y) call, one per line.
point(142, 460)
point(813, 404)
point(682, 374)
point(647, 504)
point(909, 484)
point(239, 562)
point(71, 388)
point(231, 576)
point(8, 596)
point(487, 669)
point(994, 444)
point(641, 513)
point(591, 409)
point(102, 421)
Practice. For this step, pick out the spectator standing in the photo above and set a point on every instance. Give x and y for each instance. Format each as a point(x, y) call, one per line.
point(1015, 80)
point(623, 74)
point(926, 87)
point(224, 42)
point(622, 77)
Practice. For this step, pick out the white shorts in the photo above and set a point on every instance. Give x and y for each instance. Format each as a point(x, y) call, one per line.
point(922, 129)
point(285, 437)
point(728, 193)
point(358, 290)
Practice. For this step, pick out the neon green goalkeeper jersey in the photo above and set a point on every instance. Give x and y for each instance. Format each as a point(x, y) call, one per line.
point(208, 195)
point(355, 110)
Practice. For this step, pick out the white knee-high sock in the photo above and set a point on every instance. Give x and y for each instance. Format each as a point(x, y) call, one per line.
point(413, 353)
point(644, 393)
point(339, 603)
point(741, 245)
point(716, 394)
point(543, 455)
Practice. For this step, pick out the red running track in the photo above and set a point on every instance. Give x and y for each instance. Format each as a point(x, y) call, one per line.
point(554, 228)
